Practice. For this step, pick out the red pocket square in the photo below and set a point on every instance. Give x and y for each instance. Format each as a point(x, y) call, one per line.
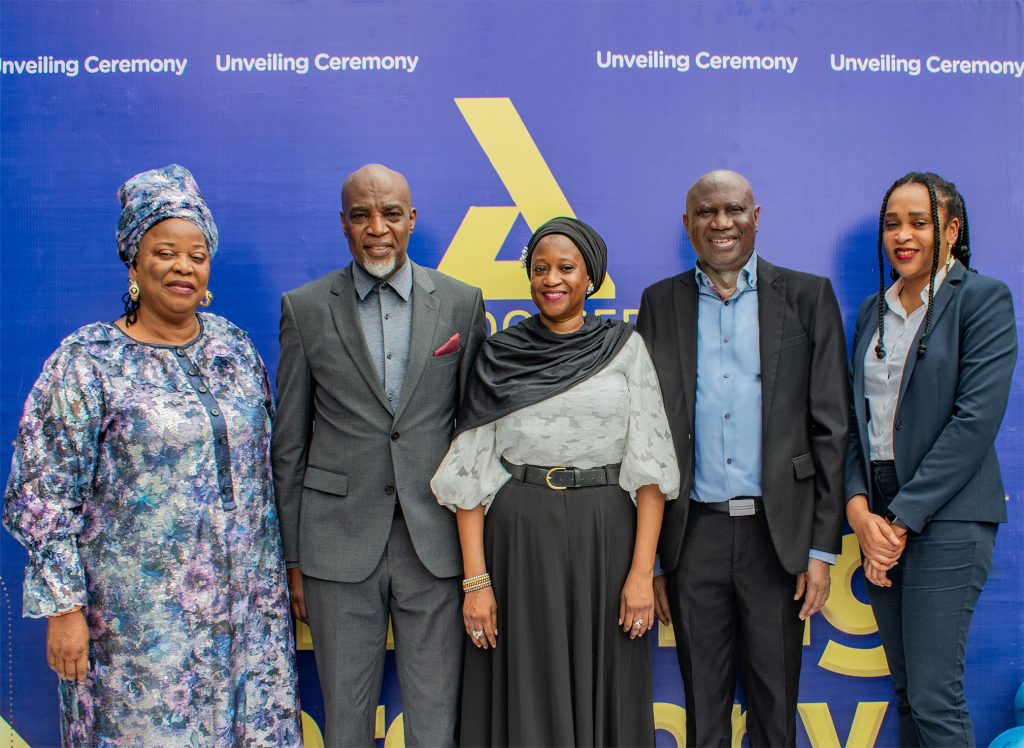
point(450, 346)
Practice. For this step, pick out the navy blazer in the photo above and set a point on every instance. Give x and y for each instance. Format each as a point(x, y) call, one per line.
point(950, 405)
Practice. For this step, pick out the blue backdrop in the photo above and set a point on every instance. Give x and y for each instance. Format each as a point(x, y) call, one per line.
point(501, 115)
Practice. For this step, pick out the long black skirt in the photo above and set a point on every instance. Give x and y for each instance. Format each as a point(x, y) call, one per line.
point(563, 672)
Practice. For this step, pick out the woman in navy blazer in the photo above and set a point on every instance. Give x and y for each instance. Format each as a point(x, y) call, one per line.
point(932, 363)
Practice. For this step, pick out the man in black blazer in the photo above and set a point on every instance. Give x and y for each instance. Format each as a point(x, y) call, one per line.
point(751, 359)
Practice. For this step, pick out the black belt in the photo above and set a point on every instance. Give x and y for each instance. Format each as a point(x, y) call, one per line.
point(561, 477)
point(741, 506)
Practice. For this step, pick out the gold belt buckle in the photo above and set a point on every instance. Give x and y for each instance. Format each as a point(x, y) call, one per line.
point(547, 479)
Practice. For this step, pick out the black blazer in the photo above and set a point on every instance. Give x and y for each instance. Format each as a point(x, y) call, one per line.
point(804, 411)
point(950, 405)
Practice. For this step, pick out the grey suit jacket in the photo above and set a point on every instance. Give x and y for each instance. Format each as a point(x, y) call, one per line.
point(804, 412)
point(950, 405)
point(342, 456)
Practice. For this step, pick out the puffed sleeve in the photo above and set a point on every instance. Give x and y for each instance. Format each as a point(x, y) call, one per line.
point(51, 476)
point(650, 456)
point(471, 473)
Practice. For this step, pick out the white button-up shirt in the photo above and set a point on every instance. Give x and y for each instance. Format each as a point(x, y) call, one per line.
point(882, 377)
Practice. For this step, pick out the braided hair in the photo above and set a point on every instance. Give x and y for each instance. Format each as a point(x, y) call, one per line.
point(882, 306)
point(940, 194)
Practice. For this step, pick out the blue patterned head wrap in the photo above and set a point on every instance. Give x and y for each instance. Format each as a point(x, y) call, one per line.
point(155, 195)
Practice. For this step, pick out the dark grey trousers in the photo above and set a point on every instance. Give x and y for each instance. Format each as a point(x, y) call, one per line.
point(923, 621)
point(349, 627)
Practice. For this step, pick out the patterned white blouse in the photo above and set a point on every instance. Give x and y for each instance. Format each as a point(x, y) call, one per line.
point(615, 416)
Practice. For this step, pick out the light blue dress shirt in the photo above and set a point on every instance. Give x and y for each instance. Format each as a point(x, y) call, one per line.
point(727, 417)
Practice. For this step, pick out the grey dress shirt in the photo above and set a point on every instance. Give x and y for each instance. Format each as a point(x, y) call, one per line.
point(385, 314)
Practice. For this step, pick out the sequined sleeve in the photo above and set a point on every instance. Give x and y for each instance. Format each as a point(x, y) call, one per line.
point(51, 476)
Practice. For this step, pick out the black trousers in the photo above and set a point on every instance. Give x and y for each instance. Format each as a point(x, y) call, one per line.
point(733, 612)
point(923, 621)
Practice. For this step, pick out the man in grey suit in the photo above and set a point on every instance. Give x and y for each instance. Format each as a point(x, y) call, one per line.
point(374, 358)
point(751, 359)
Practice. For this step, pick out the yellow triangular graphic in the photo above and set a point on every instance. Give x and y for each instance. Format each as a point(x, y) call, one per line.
point(9, 738)
point(471, 256)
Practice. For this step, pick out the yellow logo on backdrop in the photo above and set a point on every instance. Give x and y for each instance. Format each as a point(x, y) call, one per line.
point(472, 255)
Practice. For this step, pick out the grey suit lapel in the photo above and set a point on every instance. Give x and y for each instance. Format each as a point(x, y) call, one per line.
point(346, 320)
point(942, 298)
point(685, 307)
point(771, 308)
point(425, 312)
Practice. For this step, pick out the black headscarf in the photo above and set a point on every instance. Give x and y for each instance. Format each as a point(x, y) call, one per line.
point(588, 241)
point(528, 363)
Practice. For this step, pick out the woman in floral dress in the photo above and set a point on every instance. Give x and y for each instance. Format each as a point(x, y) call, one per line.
point(141, 489)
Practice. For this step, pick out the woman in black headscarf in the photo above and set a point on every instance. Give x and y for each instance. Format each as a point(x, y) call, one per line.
point(563, 428)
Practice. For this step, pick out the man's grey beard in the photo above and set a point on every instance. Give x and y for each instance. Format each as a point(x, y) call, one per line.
point(381, 269)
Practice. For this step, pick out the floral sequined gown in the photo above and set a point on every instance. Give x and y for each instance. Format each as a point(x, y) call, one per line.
point(116, 493)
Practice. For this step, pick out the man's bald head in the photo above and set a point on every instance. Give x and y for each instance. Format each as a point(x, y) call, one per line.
point(374, 175)
point(720, 177)
point(721, 221)
point(377, 217)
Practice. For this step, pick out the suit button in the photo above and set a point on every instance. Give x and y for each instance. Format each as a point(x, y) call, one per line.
point(394, 436)
point(389, 489)
point(899, 424)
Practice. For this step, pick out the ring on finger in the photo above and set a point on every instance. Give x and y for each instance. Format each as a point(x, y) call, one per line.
point(477, 633)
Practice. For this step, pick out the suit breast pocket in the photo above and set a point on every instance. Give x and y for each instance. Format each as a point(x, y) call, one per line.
point(325, 481)
point(793, 341)
point(447, 359)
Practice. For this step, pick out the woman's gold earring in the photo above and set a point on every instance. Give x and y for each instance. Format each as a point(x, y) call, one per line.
point(206, 299)
point(133, 290)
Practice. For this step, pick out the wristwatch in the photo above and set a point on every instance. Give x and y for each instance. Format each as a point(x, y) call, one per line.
point(892, 519)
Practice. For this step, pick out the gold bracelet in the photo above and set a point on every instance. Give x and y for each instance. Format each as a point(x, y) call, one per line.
point(66, 612)
point(472, 584)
